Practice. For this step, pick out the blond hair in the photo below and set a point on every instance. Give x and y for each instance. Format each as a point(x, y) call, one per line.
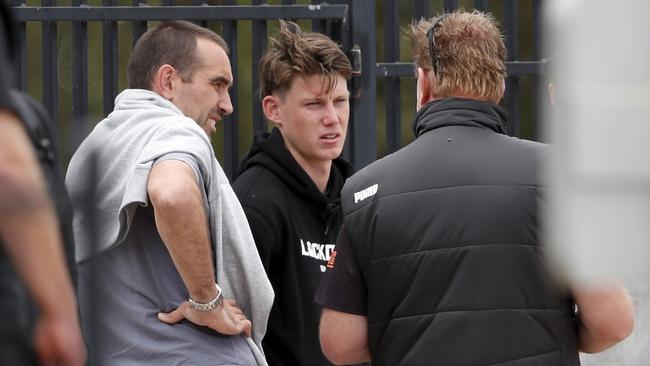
point(470, 54)
point(293, 53)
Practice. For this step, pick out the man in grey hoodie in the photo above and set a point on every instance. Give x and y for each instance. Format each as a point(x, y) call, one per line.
point(171, 240)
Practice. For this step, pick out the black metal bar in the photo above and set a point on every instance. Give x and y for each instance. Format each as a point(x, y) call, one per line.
point(231, 127)
point(510, 21)
point(259, 46)
point(319, 25)
point(101, 13)
point(342, 34)
point(332, 28)
point(50, 63)
point(139, 27)
point(481, 5)
point(111, 63)
point(516, 68)
point(202, 23)
point(22, 55)
point(421, 9)
point(537, 79)
point(511, 98)
point(392, 93)
point(337, 28)
point(363, 131)
point(394, 69)
point(290, 2)
point(450, 5)
point(21, 61)
point(79, 79)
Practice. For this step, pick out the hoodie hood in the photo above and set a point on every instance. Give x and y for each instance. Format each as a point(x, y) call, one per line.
point(269, 151)
point(459, 112)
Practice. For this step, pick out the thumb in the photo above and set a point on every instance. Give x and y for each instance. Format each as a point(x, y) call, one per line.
point(246, 326)
point(171, 317)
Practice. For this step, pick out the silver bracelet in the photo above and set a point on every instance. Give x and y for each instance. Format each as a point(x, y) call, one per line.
point(210, 305)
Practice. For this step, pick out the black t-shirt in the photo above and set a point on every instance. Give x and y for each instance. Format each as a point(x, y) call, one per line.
point(343, 288)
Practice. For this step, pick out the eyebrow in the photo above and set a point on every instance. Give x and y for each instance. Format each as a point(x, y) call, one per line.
point(322, 96)
point(222, 79)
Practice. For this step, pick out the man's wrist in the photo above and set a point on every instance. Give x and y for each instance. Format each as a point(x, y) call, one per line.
point(210, 305)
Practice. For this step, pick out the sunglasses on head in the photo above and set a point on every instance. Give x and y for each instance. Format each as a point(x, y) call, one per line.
point(431, 35)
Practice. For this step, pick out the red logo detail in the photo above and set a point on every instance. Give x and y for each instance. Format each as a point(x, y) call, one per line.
point(330, 263)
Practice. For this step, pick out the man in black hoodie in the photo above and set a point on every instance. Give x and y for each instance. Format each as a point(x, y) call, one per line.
point(290, 182)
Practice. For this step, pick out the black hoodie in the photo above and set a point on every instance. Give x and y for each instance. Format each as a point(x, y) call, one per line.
point(295, 227)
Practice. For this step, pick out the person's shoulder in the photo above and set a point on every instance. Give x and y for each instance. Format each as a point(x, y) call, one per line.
point(378, 170)
point(524, 144)
point(257, 186)
point(363, 187)
point(512, 148)
point(173, 133)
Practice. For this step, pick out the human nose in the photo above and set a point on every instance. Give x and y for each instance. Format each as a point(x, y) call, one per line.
point(224, 104)
point(330, 114)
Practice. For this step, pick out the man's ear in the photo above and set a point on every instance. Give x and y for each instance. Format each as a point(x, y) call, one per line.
point(271, 108)
point(423, 85)
point(163, 81)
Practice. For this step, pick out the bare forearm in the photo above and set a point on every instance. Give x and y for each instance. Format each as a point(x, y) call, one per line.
point(21, 183)
point(28, 225)
point(188, 245)
point(606, 317)
point(33, 243)
point(182, 223)
point(344, 337)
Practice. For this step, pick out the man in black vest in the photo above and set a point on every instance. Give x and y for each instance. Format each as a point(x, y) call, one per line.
point(30, 235)
point(439, 261)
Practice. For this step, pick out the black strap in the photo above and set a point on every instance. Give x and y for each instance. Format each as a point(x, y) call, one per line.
point(35, 117)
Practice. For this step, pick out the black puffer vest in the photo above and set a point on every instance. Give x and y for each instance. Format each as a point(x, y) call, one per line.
point(448, 245)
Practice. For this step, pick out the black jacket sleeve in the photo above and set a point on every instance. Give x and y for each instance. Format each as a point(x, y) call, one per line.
point(343, 287)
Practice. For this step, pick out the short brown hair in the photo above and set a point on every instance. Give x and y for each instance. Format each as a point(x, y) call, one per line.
point(295, 53)
point(470, 51)
point(173, 43)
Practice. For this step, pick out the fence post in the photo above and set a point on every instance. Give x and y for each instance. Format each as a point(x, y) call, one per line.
point(511, 97)
point(50, 66)
point(231, 122)
point(79, 79)
point(362, 128)
point(259, 47)
point(392, 93)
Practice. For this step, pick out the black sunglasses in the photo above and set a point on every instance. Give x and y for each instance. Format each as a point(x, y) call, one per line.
point(431, 35)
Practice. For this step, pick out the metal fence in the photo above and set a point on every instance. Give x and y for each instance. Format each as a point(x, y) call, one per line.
point(521, 24)
point(78, 80)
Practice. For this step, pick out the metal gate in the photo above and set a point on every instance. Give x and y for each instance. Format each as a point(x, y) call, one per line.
point(77, 80)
